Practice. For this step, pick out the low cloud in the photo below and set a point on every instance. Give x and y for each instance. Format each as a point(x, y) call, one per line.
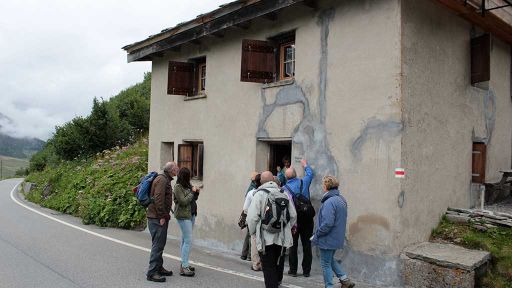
point(58, 55)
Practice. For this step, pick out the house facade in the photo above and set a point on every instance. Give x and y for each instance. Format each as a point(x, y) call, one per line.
point(361, 89)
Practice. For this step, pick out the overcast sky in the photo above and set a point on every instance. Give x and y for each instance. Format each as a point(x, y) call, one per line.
point(57, 55)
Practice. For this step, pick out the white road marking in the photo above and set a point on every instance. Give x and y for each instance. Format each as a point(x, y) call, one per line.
point(204, 265)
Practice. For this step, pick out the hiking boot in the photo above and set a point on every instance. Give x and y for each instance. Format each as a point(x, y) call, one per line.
point(165, 272)
point(185, 271)
point(292, 273)
point(192, 268)
point(156, 278)
point(347, 283)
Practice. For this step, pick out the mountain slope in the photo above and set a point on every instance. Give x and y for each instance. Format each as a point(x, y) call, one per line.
point(19, 147)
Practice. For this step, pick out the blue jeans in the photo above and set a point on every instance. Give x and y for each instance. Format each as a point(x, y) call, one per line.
point(329, 264)
point(186, 226)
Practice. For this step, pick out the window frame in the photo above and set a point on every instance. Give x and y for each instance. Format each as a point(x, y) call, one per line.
point(201, 88)
point(282, 60)
point(196, 161)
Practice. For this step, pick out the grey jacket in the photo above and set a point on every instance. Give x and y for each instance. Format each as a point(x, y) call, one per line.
point(264, 238)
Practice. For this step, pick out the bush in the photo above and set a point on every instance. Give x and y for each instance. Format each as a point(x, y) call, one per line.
point(99, 190)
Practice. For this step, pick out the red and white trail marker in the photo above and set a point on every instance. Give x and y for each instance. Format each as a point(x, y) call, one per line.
point(399, 173)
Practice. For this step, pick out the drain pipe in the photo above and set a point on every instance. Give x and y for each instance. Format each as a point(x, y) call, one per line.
point(482, 196)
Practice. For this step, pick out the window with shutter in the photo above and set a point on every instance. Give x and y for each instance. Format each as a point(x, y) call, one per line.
point(479, 159)
point(481, 59)
point(185, 156)
point(190, 155)
point(180, 78)
point(258, 61)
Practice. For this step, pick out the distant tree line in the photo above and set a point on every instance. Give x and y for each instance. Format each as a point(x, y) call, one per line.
point(118, 121)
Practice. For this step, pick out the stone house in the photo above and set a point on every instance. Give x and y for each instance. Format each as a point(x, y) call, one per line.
point(359, 89)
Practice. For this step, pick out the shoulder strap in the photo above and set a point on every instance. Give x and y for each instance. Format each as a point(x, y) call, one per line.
point(300, 186)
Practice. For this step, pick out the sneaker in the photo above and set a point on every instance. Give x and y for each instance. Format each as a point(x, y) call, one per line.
point(156, 278)
point(254, 269)
point(185, 271)
point(347, 283)
point(292, 273)
point(192, 268)
point(165, 272)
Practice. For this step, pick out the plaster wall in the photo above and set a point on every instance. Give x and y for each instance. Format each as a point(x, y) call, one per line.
point(342, 113)
point(443, 114)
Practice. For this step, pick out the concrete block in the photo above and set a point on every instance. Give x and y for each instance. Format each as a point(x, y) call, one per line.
point(417, 273)
point(441, 265)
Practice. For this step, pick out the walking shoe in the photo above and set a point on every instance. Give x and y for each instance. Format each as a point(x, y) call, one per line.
point(185, 271)
point(292, 273)
point(243, 257)
point(165, 272)
point(306, 274)
point(156, 278)
point(254, 269)
point(192, 268)
point(347, 283)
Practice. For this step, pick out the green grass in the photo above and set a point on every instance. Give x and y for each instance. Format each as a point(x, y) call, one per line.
point(97, 190)
point(11, 165)
point(498, 241)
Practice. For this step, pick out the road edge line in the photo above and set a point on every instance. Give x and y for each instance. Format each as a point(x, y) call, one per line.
point(204, 265)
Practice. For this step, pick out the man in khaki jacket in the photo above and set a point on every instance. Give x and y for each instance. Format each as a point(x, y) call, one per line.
point(271, 246)
point(158, 221)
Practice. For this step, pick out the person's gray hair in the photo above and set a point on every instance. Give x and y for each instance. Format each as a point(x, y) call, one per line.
point(169, 166)
point(290, 173)
point(330, 182)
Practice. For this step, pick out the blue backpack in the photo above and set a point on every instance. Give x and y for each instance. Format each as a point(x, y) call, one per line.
point(143, 190)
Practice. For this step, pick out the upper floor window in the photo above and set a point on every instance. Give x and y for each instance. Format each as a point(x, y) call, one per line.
point(187, 78)
point(287, 61)
point(268, 61)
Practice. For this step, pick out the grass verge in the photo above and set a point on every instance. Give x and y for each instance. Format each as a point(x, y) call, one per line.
point(498, 241)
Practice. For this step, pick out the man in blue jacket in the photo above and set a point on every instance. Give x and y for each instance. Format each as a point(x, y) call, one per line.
point(305, 224)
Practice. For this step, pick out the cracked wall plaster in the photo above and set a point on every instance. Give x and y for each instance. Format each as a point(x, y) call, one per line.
point(378, 129)
point(310, 135)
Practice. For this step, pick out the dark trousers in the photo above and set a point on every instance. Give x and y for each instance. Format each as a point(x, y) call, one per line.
point(246, 249)
point(304, 231)
point(159, 238)
point(272, 262)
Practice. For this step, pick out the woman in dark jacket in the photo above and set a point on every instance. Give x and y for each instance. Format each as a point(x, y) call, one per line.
point(330, 232)
point(185, 197)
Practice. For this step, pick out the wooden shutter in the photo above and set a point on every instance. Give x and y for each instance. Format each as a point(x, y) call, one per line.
point(180, 78)
point(258, 61)
point(185, 156)
point(200, 153)
point(479, 158)
point(481, 59)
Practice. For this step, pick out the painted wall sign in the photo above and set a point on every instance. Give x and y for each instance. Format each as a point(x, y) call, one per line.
point(399, 173)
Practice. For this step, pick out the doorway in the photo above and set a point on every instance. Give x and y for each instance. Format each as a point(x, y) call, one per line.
point(277, 152)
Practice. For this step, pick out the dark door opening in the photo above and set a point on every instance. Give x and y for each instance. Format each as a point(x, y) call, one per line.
point(278, 152)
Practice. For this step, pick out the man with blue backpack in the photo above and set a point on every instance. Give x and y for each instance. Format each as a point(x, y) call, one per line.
point(299, 189)
point(158, 214)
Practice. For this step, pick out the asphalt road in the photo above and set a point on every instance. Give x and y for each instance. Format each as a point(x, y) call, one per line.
point(42, 248)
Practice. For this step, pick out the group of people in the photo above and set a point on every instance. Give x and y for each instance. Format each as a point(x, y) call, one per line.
point(267, 246)
point(268, 249)
point(158, 214)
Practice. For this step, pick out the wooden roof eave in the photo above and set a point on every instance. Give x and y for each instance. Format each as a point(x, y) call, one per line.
point(490, 22)
point(187, 32)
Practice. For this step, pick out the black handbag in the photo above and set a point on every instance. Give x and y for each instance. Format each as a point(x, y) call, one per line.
point(303, 205)
point(242, 220)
